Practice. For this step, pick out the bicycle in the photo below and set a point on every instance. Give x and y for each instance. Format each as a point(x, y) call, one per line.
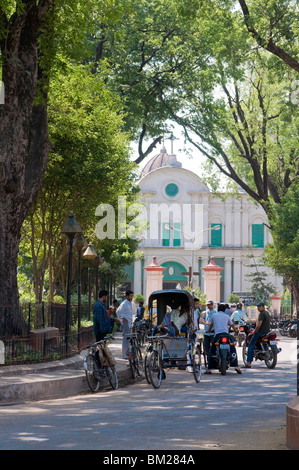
point(96, 372)
point(154, 362)
point(135, 355)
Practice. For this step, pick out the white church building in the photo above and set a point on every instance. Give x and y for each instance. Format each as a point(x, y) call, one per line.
point(188, 226)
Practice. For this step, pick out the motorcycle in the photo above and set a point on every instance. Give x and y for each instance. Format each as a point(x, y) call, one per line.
point(265, 349)
point(293, 330)
point(240, 335)
point(283, 327)
point(223, 355)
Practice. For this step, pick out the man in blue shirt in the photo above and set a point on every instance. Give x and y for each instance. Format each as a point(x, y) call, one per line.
point(101, 322)
point(206, 320)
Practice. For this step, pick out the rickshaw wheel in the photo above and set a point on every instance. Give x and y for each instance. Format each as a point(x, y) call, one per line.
point(196, 364)
point(155, 370)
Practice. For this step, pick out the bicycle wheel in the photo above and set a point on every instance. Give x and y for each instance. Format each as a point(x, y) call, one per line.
point(155, 370)
point(91, 370)
point(146, 371)
point(135, 360)
point(112, 377)
point(196, 364)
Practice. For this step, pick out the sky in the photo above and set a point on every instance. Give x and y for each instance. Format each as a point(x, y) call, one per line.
point(191, 160)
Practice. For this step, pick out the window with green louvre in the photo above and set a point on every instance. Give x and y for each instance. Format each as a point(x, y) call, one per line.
point(165, 234)
point(257, 238)
point(216, 235)
point(176, 234)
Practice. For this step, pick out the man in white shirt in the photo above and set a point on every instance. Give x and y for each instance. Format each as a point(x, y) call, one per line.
point(239, 315)
point(221, 322)
point(125, 315)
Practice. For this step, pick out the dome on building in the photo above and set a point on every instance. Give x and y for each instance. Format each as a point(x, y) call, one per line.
point(159, 161)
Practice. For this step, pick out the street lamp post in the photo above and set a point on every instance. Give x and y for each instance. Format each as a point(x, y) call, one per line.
point(71, 228)
point(89, 254)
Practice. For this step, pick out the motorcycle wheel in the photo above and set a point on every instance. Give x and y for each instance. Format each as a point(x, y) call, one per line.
point(272, 360)
point(293, 333)
point(196, 364)
point(223, 366)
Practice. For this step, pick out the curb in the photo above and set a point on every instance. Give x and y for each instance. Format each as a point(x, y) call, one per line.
point(57, 379)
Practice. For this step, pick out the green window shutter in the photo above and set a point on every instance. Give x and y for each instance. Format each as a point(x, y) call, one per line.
point(216, 236)
point(177, 234)
point(165, 234)
point(258, 235)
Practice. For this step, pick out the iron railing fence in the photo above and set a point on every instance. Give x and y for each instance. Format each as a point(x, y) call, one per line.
point(41, 335)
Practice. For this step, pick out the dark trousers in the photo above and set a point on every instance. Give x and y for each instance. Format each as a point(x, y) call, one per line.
point(212, 352)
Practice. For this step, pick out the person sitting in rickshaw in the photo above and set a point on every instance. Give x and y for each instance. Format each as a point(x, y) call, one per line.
point(180, 319)
point(166, 327)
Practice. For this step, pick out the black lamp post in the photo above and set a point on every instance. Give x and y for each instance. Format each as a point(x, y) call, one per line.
point(71, 228)
point(89, 254)
point(80, 244)
point(97, 261)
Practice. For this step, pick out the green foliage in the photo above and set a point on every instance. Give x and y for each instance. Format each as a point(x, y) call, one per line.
point(197, 293)
point(26, 290)
point(233, 298)
point(139, 298)
point(283, 254)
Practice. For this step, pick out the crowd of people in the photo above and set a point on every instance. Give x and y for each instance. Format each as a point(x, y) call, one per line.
point(216, 320)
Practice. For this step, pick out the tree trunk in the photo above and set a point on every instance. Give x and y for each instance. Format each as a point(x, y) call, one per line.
point(294, 289)
point(24, 147)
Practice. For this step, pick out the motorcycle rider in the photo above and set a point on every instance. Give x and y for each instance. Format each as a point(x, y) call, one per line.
point(261, 329)
point(206, 320)
point(238, 315)
point(221, 322)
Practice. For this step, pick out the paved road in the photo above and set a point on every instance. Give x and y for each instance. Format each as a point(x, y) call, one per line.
point(221, 412)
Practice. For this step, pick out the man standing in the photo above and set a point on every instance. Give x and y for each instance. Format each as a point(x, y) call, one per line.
point(206, 319)
point(261, 329)
point(125, 316)
point(101, 322)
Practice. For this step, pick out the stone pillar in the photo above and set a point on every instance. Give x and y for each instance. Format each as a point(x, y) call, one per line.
point(204, 261)
point(154, 278)
point(212, 274)
point(292, 424)
point(276, 302)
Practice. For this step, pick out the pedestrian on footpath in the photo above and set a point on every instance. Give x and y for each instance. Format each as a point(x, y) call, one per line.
point(261, 329)
point(206, 320)
point(101, 321)
point(125, 316)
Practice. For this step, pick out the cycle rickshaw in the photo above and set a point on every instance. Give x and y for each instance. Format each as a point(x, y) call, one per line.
point(182, 347)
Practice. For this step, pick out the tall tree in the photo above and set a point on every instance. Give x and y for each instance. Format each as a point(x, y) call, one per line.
point(31, 34)
point(89, 165)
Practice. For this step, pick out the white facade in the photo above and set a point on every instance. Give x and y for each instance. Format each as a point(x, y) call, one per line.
point(188, 225)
